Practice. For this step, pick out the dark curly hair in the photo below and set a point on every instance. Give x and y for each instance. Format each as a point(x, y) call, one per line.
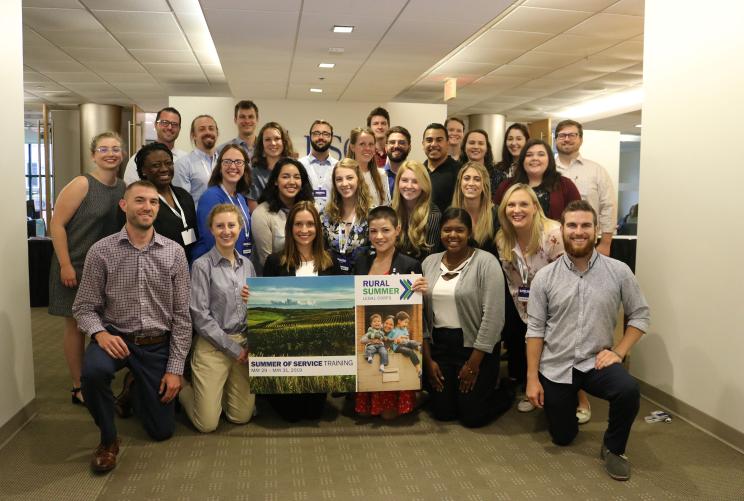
point(145, 151)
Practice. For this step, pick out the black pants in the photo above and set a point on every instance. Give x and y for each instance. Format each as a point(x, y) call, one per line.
point(147, 364)
point(613, 384)
point(473, 409)
point(514, 332)
point(294, 407)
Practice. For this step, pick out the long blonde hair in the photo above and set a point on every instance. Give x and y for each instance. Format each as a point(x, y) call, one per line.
point(413, 225)
point(483, 229)
point(371, 165)
point(506, 238)
point(334, 205)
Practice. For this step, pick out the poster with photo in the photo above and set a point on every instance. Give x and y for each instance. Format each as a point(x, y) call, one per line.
point(334, 334)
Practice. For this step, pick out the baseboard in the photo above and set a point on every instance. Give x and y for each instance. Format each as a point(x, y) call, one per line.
point(17, 422)
point(710, 425)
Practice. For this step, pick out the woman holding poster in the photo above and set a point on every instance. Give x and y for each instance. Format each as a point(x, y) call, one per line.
point(344, 217)
point(219, 365)
point(385, 259)
point(304, 255)
point(463, 319)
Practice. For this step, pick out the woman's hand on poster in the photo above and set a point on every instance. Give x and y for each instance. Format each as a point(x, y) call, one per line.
point(421, 284)
point(436, 378)
point(245, 293)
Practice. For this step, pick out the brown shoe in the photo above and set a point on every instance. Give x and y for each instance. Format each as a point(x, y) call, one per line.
point(104, 457)
point(123, 402)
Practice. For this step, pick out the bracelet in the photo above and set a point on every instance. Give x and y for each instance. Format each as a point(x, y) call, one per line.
point(618, 355)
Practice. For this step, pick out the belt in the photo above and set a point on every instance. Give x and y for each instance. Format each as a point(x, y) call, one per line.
point(145, 340)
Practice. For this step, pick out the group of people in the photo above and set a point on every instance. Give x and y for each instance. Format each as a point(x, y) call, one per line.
point(514, 251)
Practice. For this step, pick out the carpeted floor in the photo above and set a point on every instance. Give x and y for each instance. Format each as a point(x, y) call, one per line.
point(343, 457)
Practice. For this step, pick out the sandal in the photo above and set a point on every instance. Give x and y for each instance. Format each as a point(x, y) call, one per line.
point(583, 415)
point(77, 396)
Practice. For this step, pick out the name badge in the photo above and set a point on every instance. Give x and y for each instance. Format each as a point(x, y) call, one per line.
point(320, 193)
point(247, 249)
point(188, 236)
point(344, 263)
point(523, 294)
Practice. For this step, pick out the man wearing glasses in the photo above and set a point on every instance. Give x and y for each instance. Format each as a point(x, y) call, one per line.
point(319, 163)
point(397, 148)
point(246, 120)
point(590, 178)
point(167, 128)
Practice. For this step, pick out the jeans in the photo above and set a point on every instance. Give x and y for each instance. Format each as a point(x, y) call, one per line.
point(371, 349)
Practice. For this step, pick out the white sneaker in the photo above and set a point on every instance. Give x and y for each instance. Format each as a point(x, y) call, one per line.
point(525, 405)
point(382, 368)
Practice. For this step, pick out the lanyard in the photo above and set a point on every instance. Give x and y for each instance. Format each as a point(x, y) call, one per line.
point(239, 206)
point(178, 213)
point(206, 167)
point(344, 244)
point(524, 270)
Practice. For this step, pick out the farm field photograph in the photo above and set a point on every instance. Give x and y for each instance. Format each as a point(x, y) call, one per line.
point(296, 322)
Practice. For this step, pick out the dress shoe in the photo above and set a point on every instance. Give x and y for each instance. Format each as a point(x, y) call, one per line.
point(104, 457)
point(123, 403)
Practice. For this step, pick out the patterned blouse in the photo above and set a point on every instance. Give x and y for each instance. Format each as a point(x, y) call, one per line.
point(550, 249)
point(345, 248)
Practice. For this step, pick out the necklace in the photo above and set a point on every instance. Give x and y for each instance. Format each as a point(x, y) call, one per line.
point(458, 263)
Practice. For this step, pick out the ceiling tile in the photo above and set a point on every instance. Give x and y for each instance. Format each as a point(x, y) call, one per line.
point(477, 54)
point(130, 77)
point(540, 20)
point(52, 66)
point(573, 74)
point(545, 59)
point(630, 50)
point(59, 4)
point(112, 55)
point(161, 41)
point(82, 39)
point(629, 7)
point(575, 44)
point(611, 26)
point(138, 22)
point(517, 70)
point(129, 5)
point(74, 77)
point(257, 5)
point(59, 19)
point(164, 56)
point(115, 67)
point(602, 63)
point(454, 68)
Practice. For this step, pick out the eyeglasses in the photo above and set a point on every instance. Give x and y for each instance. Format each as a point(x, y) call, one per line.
point(226, 162)
point(168, 123)
point(567, 135)
point(105, 149)
point(317, 133)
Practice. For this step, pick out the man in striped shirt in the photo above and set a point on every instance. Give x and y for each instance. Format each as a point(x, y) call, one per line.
point(133, 302)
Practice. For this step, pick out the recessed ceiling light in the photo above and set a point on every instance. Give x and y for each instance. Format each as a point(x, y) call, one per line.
point(336, 50)
point(326, 65)
point(316, 90)
point(342, 29)
point(639, 126)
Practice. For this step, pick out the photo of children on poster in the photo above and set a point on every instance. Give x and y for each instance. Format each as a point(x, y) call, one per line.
point(334, 334)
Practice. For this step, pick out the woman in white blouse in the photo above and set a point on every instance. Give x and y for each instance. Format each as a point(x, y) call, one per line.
point(362, 149)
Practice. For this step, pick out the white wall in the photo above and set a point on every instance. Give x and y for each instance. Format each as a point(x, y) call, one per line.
point(296, 117)
point(66, 153)
point(690, 236)
point(16, 363)
point(603, 147)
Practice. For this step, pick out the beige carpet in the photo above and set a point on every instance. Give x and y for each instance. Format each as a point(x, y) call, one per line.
point(342, 457)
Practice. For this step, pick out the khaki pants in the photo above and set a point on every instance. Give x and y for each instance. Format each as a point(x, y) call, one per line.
point(218, 382)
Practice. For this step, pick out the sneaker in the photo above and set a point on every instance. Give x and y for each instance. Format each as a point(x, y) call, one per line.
point(617, 466)
point(369, 360)
point(525, 405)
point(583, 415)
point(382, 368)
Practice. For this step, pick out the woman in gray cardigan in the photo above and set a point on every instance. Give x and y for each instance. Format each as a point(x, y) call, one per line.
point(463, 319)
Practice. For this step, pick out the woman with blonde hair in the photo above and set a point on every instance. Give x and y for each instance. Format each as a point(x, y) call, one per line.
point(526, 242)
point(419, 217)
point(473, 193)
point(362, 149)
point(344, 217)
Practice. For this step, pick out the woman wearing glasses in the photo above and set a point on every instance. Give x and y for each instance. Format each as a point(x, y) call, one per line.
point(463, 319)
point(85, 211)
point(176, 218)
point(230, 179)
point(287, 185)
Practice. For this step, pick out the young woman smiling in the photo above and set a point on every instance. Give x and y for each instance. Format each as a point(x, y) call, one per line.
point(176, 218)
point(219, 365)
point(384, 259)
point(85, 211)
point(474, 195)
point(303, 255)
point(344, 217)
point(287, 185)
point(419, 217)
point(272, 144)
point(231, 178)
point(526, 242)
point(463, 319)
point(476, 147)
point(515, 137)
point(362, 149)
point(536, 168)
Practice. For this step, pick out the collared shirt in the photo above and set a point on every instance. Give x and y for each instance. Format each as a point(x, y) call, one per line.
point(549, 249)
point(595, 186)
point(130, 173)
point(380, 158)
point(216, 306)
point(575, 312)
point(193, 171)
point(320, 172)
point(137, 291)
point(390, 177)
point(247, 148)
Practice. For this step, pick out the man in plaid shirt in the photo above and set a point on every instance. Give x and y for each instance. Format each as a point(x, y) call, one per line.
point(133, 302)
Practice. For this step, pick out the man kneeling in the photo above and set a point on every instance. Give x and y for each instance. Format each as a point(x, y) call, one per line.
point(572, 312)
point(133, 302)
